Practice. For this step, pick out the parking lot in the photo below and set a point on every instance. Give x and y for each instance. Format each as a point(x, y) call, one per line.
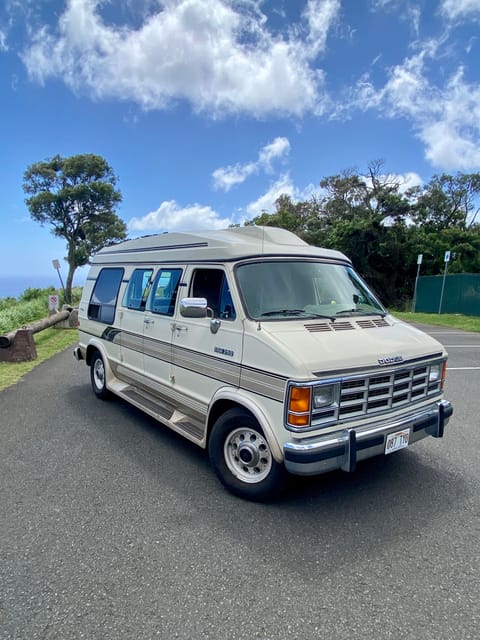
point(113, 527)
point(463, 347)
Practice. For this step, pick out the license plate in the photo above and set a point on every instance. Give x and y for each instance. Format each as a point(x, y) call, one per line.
point(397, 440)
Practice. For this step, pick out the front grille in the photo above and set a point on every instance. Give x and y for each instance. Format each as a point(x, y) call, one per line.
point(377, 393)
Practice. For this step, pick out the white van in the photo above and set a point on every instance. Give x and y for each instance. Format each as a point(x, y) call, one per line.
point(271, 353)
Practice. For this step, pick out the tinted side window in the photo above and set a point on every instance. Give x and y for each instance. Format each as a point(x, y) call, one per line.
point(104, 295)
point(227, 310)
point(164, 292)
point(212, 285)
point(137, 291)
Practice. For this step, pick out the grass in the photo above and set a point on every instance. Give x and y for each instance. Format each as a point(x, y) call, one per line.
point(17, 312)
point(454, 321)
point(48, 343)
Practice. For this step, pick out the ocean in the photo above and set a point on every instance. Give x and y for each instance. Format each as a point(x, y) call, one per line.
point(14, 286)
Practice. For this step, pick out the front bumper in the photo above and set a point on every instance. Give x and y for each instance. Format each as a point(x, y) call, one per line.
point(342, 450)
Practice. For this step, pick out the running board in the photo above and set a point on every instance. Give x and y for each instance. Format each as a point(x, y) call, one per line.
point(162, 411)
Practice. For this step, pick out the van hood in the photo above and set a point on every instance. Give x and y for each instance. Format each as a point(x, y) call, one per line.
point(321, 346)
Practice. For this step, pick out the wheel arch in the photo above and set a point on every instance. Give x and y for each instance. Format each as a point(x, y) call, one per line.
point(92, 347)
point(228, 399)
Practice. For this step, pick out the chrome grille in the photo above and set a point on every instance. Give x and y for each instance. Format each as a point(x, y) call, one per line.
point(379, 392)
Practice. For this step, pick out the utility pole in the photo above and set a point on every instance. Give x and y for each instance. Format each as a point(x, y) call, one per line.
point(419, 263)
point(56, 265)
point(446, 260)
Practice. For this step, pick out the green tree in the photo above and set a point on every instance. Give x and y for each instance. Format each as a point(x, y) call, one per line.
point(382, 229)
point(365, 217)
point(77, 197)
point(447, 201)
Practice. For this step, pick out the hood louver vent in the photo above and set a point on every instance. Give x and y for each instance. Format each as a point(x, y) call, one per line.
point(320, 327)
point(329, 326)
point(342, 326)
point(317, 328)
point(371, 324)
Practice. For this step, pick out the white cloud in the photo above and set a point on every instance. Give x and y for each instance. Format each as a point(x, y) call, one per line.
point(3, 41)
point(457, 9)
point(171, 217)
point(218, 55)
point(282, 186)
point(226, 177)
point(408, 180)
point(406, 11)
point(276, 149)
point(320, 15)
point(446, 119)
point(453, 140)
point(404, 181)
point(266, 202)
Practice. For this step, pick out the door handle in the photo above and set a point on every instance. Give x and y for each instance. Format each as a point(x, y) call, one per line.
point(180, 329)
point(148, 321)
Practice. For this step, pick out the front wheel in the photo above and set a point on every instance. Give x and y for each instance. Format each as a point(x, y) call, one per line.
point(98, 377)
point(242, 458)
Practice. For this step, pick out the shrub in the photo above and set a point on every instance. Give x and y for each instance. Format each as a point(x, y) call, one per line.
point(33, 293)
point(22, 313)
point(30, 306)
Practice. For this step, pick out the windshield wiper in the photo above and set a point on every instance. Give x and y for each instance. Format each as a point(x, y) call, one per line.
point(347, 312)
point(296, 312)
point(283, 312)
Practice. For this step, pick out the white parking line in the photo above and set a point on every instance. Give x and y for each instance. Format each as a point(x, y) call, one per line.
point(463, 368)
point(451, 333)
point(460, 346)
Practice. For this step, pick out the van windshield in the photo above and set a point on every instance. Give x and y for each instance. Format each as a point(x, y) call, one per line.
point(286, 289)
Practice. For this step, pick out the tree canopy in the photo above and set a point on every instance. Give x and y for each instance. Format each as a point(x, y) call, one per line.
point(77, 196)
point(382, 227)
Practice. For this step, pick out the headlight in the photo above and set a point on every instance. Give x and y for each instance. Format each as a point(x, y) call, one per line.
point(435, 373)
point(317, 403)
point(323, 395)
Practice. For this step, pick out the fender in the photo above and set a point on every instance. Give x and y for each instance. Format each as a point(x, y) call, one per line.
point(96, 344)
point(243, 399)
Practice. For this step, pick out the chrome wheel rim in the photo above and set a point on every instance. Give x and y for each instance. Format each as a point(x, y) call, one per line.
point(99, 375)
point(248, 455)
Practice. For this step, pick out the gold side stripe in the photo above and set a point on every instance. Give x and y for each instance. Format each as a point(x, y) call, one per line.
point(231, 373)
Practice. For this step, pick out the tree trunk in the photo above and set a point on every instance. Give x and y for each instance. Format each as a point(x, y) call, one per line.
point(71, 271)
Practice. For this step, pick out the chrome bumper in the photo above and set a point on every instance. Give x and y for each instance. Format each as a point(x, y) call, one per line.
point(78, 353)
point(342, 450)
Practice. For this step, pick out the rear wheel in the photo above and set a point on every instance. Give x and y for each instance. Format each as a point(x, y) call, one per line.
point(242, 458)
point(98, 376)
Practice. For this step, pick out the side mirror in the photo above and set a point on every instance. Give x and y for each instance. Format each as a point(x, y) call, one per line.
point(193, 307)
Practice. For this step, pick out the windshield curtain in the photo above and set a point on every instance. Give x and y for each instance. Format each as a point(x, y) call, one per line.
point(279, 289)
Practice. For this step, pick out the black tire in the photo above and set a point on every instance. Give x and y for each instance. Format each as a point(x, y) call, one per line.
point(241, 457)
point(97, 376)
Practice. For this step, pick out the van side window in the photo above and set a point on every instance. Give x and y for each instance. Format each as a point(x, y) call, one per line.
point(164, 292)
point(137, 291)
point(212, 284)
point(104, 295)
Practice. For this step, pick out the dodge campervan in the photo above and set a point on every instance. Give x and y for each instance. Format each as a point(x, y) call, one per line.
point(272, 354)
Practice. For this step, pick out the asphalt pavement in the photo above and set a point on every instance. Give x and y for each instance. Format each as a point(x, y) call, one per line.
point(113, 527)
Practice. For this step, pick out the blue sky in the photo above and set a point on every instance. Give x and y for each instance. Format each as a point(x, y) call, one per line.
point(208, 110)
